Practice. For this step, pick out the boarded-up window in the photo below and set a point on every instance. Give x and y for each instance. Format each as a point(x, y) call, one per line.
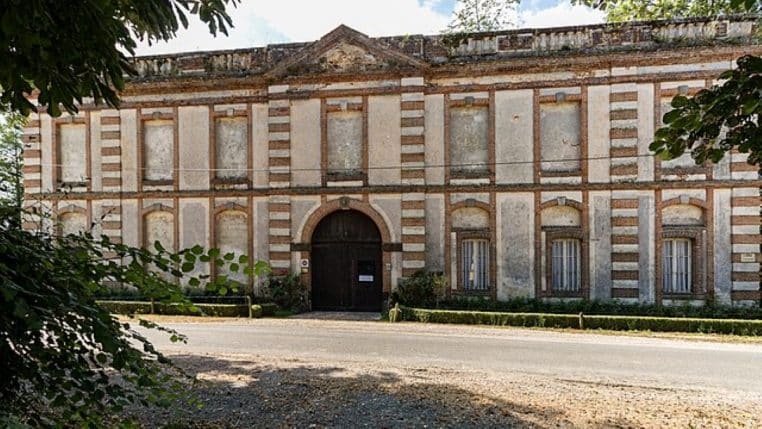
point(159, 226)
point(469, 131)
point(231, 140)
point(72, 223)
point(72, 153)
point(158, 153)
point(232, 236)
point(345, 145)
point(560, 136)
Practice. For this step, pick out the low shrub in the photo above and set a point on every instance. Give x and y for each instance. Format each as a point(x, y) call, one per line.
point(126, 307)
point(144, 307)
point(422, 289)
point(288, 292)
point(614, 323)
point(269, 309)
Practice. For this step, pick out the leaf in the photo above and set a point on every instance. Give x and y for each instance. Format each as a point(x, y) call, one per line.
point(188, 267)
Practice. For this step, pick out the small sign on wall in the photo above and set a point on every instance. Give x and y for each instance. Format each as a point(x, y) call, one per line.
point(748, 257)
point(304, 264)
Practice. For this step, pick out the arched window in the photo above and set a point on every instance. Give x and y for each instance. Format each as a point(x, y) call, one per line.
point(470, 225)
point(159, 226)
point(682, 248)
point(564, 257)
point(72, 222)
point(232, 236)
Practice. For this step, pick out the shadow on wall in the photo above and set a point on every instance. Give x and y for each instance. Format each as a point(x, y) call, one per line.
point(243, 393)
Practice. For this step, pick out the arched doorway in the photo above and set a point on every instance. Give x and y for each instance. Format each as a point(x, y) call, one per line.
point(346, 263)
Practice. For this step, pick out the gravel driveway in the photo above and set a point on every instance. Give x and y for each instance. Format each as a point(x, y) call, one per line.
point(273, 390)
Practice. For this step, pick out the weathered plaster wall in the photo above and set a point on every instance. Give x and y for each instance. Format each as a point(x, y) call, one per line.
point(559, 136)
point(344, 141)
point(515, 245)
point(305, 142)
point(71, 141)
point(514, 141)
point(193, 147)
point(158, 154)
point(469, 128)
point(231, 148)
point(72, 223)
point(383, 140)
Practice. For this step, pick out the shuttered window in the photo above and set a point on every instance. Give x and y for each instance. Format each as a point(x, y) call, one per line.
point(566, 265)
point(677, 266)
point(475, 264)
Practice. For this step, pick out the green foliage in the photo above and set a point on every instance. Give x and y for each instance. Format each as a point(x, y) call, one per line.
point(11, 159)
point(531, 305)
point(288, 292)
point(68, 50)
point(421, 289)
point(717, 119)
point(66, 359)
point(482, 15)
point(616, 323)
point(632, 10)
point(144, 307)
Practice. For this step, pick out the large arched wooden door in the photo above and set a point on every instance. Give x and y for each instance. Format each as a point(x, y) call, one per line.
point(346, 263)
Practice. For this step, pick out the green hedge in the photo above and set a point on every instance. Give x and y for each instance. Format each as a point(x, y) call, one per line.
point(710, 310)
point(126, 307)
point(616, 323)
point(144, 307)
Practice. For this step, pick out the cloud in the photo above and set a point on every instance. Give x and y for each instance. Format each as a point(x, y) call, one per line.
point(259, 22)
point(562, 14)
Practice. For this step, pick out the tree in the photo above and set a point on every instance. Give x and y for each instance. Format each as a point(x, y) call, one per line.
point(482, 15)
point(628, 10)
point(67, 362)
point(717, 119)
point(64, 51)
point(11, 159)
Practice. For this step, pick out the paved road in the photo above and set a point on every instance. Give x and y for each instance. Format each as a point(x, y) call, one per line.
point(574, 356)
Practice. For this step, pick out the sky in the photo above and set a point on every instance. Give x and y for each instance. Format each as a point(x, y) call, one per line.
point(261, 22)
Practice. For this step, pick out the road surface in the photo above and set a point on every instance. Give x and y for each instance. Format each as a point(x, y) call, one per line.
point(625, 360)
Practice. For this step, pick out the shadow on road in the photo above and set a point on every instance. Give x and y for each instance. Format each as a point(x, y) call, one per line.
point(338, 315)
point(243, 393)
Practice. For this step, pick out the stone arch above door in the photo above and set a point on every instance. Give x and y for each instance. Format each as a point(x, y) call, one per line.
point(345, 204)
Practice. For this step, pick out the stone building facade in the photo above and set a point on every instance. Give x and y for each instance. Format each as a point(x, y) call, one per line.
point(515, 162)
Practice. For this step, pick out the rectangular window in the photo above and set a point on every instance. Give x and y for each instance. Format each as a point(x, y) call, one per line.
point(469, 140)
point(345, 143)
point(565, 265)
point(158, 150)
point(231, 147)
point(72, 154)
point(475, 264)
point(560, 136)
point(677, 266)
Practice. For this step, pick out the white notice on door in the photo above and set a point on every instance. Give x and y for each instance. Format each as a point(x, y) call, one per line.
point(366, 278)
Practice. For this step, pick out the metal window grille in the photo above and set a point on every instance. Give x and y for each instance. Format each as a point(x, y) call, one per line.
point(677, 266)
point(566, 265)
point(475, 264)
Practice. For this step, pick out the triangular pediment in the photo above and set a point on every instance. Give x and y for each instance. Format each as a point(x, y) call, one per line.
point(345, 51)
